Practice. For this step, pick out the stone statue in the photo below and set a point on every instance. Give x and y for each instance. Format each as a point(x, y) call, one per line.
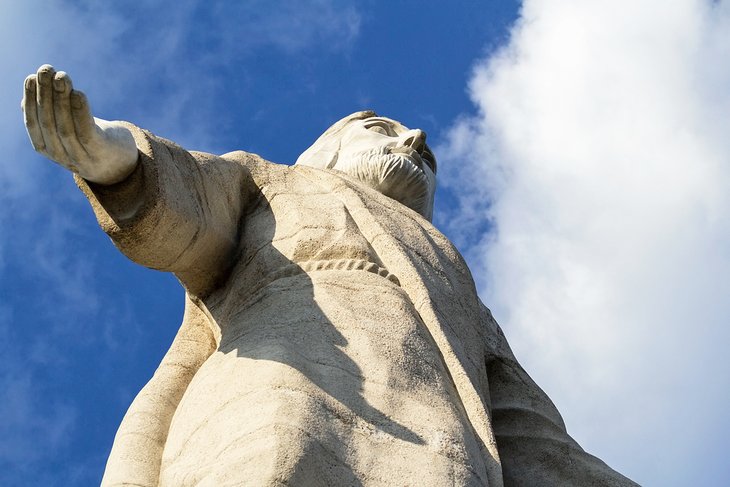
point(332, 336)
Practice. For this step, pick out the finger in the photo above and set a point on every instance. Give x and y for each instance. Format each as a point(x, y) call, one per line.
point(81, 114)
point(30, 114)
point(64, 120)
point(46, 117)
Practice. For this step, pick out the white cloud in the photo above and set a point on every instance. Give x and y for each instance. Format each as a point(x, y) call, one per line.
point(602, 158)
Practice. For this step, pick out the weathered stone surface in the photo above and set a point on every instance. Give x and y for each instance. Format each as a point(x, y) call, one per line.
point(332, 336)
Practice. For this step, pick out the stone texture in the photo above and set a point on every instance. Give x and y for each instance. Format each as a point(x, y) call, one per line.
point(332, 336)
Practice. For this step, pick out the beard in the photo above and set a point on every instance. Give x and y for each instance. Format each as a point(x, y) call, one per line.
point(394, 175)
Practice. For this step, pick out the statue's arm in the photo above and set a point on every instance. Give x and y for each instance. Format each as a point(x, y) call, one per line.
point(164, 207)
point(532, 440)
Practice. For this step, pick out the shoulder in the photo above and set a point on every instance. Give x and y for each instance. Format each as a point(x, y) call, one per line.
point(246, 158)
point(256, 164)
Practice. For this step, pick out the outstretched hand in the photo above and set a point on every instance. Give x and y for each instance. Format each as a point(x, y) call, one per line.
point(60, 125)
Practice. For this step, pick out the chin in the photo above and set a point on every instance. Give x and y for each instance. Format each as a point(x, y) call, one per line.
point(394, 175)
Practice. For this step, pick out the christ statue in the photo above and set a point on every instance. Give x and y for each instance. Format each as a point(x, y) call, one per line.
point(332, 335)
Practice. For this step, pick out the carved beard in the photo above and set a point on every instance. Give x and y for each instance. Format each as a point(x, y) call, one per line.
point(394, 175)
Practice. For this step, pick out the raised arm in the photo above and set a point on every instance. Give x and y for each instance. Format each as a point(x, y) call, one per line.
point(164, 207)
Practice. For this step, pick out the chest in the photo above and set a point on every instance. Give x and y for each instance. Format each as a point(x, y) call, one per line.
point(297, 223)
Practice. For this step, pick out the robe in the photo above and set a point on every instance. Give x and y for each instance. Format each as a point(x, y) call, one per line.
point(331, 336)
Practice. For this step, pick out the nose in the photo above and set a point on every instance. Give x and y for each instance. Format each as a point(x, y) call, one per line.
point(415, 139)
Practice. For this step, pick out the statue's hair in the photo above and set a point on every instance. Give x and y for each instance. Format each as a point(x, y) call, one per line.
point(323, 153)
point(344, 122)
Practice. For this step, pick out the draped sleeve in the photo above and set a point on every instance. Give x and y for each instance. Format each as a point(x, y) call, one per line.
point(179, 211)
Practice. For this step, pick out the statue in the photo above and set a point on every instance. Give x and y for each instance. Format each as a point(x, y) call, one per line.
point(332, 336)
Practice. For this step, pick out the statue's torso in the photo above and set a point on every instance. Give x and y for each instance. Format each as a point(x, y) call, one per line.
point(324, 377)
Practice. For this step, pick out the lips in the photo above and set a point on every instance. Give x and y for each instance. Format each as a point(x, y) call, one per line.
point(410, 154)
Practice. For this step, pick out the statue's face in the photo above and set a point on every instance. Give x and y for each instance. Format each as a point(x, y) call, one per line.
point(390, 158)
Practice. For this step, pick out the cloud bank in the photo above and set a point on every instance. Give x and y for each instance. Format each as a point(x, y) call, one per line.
point(594, 207)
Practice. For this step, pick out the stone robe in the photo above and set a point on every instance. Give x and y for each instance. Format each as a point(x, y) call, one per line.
point(331, 336)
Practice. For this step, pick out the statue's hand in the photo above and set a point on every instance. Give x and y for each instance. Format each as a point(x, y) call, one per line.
point(61, 127)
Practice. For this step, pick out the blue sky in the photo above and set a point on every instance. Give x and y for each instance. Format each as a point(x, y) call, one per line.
point(584, 169)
